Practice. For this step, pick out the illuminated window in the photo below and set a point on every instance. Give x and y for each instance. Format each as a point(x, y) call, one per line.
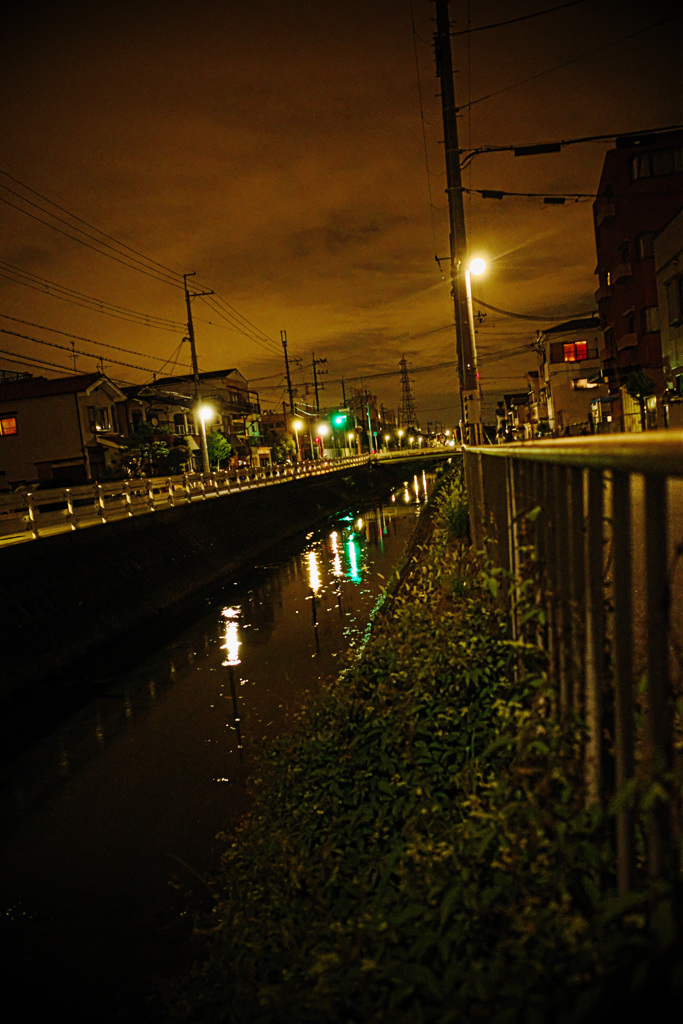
point(8, 425)
point(575, 351)
point(98, 419)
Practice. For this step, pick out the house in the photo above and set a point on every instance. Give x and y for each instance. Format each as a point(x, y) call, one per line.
point(512, 416)
point(238, 411)
point(640, 191)
point(570, 368)
point(59, 431)
point(669, 275)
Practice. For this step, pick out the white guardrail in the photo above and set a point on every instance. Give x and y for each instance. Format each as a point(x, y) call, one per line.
point(29, 515)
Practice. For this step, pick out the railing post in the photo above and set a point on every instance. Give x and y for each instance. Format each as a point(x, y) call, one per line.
point(31, 512)
point(623, 674)
point(562, 610)
point(150, 495)
point(127, 498)
point(101, 511)
point(171, 494)
point(577, 583)
point(659, 705)
point(71, 515)
point(595, 638)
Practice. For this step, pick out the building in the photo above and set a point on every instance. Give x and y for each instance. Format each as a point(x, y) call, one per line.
point(669, 274)
point(238, 411)
point(59, 431)
point(640, 191)
point(570, 374)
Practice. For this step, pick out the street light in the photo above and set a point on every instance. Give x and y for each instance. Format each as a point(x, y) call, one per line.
point(400, 435)
point(477, 266)
point(297, 425)
point(321, 431)
point(205, 412)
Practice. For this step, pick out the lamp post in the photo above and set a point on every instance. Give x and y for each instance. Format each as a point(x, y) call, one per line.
point(321, 432)
point(205, 412)
point(400, 437)
point(476, 266)
point(297, 425)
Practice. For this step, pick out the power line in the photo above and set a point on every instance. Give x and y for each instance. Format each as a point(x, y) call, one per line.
point(573, 60)
point(25, 361)
point(58, 291)
point(246, 327)
point(65, 348)
point(512, 21)
point(73, 216)
point(533, 316)
point(254, 334)
point(79, 337)
point(110, 255)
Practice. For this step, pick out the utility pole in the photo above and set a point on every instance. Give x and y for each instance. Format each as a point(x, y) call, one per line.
point(283, 336)
point(195, 367)
point(315, 380)
point(470, 403)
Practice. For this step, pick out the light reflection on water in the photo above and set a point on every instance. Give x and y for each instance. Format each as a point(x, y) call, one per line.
point(226, 684)
point(130, 791)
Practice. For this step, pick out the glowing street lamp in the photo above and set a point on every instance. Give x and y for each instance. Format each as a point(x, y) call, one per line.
point(400, 435)
point(297, 425)
point(205, 413)
point(321, 432)
point(477, 266)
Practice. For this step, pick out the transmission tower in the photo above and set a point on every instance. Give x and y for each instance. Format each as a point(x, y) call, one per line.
point(406, 409)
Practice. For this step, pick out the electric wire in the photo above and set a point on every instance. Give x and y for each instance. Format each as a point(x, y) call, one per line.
point(574, 60)
point(76, 351)
point(79, 337)
point(74, 216)
point(53, 289)
point(512, 21)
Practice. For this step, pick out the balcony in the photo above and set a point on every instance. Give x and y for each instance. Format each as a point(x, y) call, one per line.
point(629, 340)
point(605, 212)
point(621, 270)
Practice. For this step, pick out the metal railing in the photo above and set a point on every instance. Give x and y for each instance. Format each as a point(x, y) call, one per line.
point(603, 517)
point(40, 513)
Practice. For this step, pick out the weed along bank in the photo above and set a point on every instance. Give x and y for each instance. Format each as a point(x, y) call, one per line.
point(423, 845)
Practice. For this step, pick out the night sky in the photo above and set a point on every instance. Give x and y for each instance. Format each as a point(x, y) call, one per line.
point(290, 153)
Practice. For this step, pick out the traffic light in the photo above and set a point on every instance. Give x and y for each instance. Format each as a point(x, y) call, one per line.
point(339, 419)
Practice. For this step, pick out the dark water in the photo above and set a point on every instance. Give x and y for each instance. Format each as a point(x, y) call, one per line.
point(109, 821)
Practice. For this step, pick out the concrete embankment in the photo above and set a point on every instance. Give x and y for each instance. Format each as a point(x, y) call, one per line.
point(106, 591)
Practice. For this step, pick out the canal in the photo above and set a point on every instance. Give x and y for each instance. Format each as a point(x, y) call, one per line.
point(109, 819)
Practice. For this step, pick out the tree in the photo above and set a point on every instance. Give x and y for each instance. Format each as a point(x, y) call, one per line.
point(153, 451)
point(283, 450)
point(218, 447)
point(640, 387)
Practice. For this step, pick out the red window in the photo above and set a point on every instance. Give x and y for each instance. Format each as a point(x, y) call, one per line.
point(575, 351)
point(8, 425)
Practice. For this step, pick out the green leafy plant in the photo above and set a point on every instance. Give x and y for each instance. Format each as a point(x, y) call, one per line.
point(420, 850)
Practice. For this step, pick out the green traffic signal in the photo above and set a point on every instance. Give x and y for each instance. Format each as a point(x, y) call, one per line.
point(339, 420)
